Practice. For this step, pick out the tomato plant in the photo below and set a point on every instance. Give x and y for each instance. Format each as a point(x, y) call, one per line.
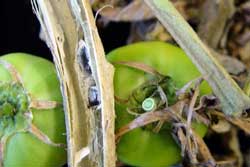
point(142, 147)
point(32, 127)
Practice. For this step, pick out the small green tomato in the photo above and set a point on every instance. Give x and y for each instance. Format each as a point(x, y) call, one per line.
point(142, 147)
point(32, 127)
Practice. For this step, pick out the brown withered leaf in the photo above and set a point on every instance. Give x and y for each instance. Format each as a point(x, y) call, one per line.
point(148, 31)
point(231, 64)
point(239, 33)
point(243, 38)
point(142, 120)
point(150, 117)
point(214, 17)
point(140, 66)
point(234, 145)
point(207, 101)
point(244, 53)
point(189, 145)
point(222, 126)
point(134, 11)
point(204, 151)
point(241, 122)
point(194, 148)
point(137, 10)
point(225, 148)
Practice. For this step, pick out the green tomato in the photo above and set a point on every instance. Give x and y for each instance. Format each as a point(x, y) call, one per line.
point(30, 135)
point(142, 147)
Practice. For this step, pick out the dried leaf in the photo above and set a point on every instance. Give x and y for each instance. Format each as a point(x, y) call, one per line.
point(234, 145)
point(244, 53)
point(204, 151)
point(232, 65)
point(221, 126)
point(134, 11)
point(142, 120)
point(214, 16)
point(137, 10)
point(140, 66)
point(241, 122)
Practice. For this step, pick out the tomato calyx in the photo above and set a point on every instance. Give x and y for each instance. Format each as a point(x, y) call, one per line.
point(14, 113)
point(161, 90)
point(13, 99)
point(16, 107)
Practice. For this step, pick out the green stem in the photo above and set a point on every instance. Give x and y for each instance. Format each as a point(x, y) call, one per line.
point(246, 88)
point(232, 98)
point(149, 104)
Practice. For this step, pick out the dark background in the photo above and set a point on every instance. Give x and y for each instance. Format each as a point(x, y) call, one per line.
point(19, 30)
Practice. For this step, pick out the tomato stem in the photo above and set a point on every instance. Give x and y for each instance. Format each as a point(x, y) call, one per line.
point(149, 104)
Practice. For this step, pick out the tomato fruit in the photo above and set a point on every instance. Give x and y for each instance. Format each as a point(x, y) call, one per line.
point(142, 147)
point(32, 126)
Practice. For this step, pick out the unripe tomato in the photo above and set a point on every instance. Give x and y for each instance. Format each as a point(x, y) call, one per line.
point(32, 126)
point(142, 147)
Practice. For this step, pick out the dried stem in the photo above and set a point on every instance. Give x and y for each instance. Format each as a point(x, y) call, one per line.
point(70, 32)
point(232, 99)
point(143, 120)
point(44, 104)
point(43, 137)
point(102, 72)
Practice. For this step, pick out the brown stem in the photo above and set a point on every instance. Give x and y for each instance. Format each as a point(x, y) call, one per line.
point(143, 120)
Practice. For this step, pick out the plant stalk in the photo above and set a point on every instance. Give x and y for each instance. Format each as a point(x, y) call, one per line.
point(69, 30)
